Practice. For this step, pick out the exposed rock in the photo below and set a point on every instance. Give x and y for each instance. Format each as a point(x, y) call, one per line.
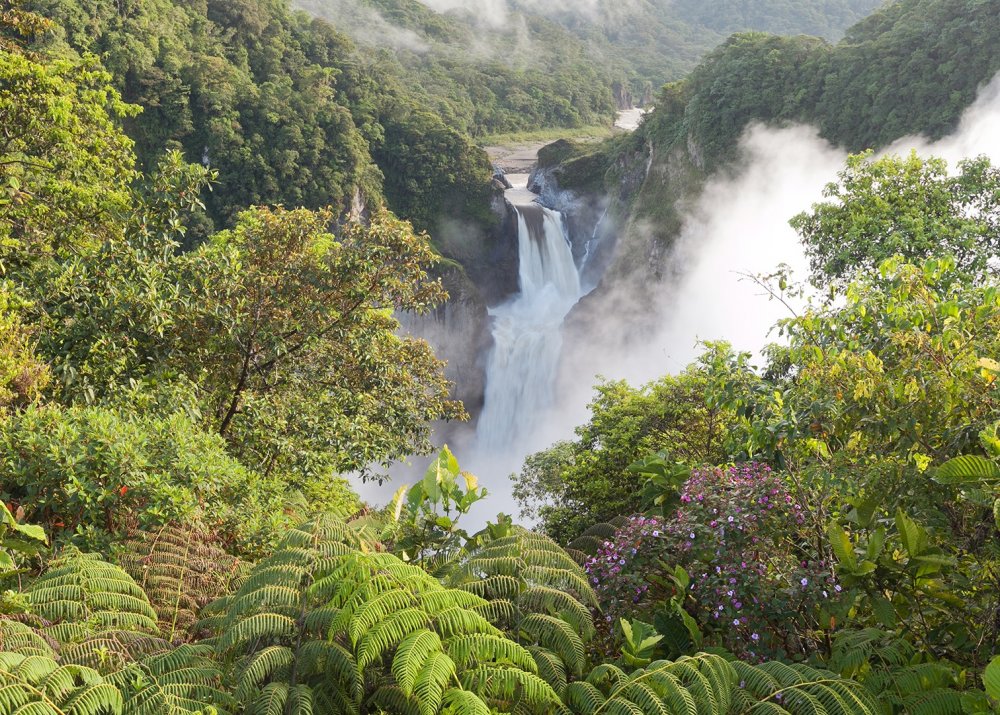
point(459, 333)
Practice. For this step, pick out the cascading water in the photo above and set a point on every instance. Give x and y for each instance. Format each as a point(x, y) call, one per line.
point(527, 329)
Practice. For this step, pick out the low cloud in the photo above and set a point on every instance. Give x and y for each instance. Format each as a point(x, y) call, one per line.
point(498, 13)
point(364, 24)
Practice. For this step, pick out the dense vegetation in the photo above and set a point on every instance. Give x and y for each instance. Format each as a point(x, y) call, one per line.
point(280, 106)
point(855, 520)
point(818, 536)
point(539, 64)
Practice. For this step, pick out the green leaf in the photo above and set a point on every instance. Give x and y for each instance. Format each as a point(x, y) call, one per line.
point(884, 611)
point(968, 469)
point(991, 679)
point(840, 542)
point(32, 531)
point(914, 538)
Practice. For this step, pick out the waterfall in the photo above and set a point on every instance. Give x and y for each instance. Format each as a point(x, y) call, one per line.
point(527, 330)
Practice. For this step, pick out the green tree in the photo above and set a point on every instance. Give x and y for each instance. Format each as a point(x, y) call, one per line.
point(65, 165)
point(870, 393)
point(295, 346)
point(906, 206)
point(692, 416)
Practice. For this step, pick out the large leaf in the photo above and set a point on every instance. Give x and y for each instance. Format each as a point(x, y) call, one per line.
point(968, 469)
point(841, 544)
point(991, 679)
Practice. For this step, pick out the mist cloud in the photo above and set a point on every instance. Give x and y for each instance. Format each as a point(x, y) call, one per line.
point(498, 13)
point(364, 24)
point(738, 225)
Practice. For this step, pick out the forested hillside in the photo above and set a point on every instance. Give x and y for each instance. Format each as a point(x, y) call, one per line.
point(475, 60)
point(912, 67)
point(274, 102)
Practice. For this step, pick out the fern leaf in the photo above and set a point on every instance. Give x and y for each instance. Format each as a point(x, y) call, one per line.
point(411, 655)
point(431, 682)
point(469, 650)
point(558, 636)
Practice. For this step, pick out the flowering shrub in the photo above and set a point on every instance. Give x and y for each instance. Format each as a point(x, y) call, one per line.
point(740, 535)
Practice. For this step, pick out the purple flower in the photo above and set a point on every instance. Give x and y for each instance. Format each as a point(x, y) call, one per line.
point(755, 636)
point(804, 582)
point(837, 588)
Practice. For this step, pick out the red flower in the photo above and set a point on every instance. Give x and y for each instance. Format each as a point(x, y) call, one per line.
point(123, 491)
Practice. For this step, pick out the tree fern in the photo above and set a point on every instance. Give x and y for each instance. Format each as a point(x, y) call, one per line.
point(782, 688)
point(180, 569)
point(537, 592)
point(81, 592)
point(93, 613)
point(326, 624)
point(710, 685)
point(19, 637)
point(36, 685)
point(889, 667)
point(183, 680)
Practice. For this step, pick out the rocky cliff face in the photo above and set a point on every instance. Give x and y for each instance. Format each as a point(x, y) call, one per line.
point(480, 270)
point(459, 333)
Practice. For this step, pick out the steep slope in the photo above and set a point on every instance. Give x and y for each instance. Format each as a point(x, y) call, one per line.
point(481, 79)
point(278, 104)
point(561, 47)
point(910, 68)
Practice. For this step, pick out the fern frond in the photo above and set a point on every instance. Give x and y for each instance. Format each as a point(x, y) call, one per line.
point(542, 599)
point(110, 650)
point(180, 568)
point(183, 680)
point(262, 626)
point(801, 689)
point(479, 648)
point(411, 655)
point(391, 699)
point(38, 685)
point(558, 636)
point(17, 637)
point(550, 667)
point(456, 621)
point(82, 588)
point(501, 613)
point(509, 684)
point(332, 663)
point(260, 668)
point(270, 701)
point(495, 587)
point(393, 629)
point(583, 697)
point(431, 682)
point(462, 702)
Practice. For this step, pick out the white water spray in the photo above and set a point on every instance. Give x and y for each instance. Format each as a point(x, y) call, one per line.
point(527, 330)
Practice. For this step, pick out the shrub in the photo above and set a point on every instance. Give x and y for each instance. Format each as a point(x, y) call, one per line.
point(741, 537)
